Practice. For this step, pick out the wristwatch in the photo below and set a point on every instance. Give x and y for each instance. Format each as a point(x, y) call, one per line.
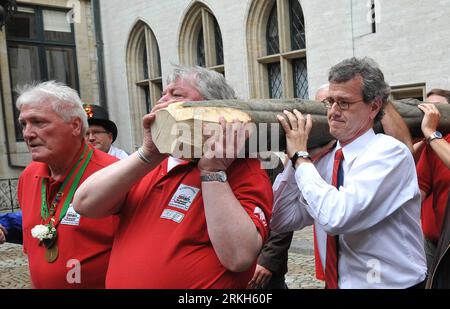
point(434, 135)
point(219, 176)
point(300, 154)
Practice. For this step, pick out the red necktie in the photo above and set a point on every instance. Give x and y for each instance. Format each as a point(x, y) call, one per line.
point(331, 264)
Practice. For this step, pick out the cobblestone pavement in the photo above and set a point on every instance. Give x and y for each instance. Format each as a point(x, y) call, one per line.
point(301, 269)
point(14, 265)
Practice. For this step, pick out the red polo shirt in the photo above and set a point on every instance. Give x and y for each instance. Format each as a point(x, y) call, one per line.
point(162, 240)
point(434, 179)
point(84, 245)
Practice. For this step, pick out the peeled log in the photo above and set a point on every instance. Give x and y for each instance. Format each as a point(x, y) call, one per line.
point(178, 128)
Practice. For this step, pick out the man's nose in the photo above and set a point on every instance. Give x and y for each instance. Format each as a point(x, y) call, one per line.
point(28, 132)
point(163, 99)
point(335, 108)
point(334, 111)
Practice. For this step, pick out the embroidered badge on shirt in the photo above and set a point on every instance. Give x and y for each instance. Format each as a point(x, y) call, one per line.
point(184, 197)
point(258, 211)
point(71, 217)
point(172, 215)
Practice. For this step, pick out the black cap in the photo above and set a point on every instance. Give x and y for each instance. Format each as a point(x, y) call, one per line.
point(97, 115)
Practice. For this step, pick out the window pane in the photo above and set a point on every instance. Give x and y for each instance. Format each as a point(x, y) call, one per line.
point(145, 65)
point(23, 64)
point(219, 45)
point(297, 26)
point(148, 103)
point(22, 24)
point(200, 49)
point(24, 69)
point(61, 65)
point(273, 45)
point(300, 78)
point(275, 87)
point(56, 26)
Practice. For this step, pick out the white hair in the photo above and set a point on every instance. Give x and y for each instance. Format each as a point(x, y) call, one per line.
point(210, 84)
point(324, 87)
point(64, 100)
point(321, 91)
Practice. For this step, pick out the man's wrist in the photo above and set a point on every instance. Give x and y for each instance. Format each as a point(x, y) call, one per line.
point(143, 156)
point(300, 161)
point(434, 135)
point(298, 156)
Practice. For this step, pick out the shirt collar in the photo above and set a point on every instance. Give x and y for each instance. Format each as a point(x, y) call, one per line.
point(173, 162)
point(352, 150)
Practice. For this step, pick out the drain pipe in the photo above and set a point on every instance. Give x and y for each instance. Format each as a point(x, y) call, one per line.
point(100, 54)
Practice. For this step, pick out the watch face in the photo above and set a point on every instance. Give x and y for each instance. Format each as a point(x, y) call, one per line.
point(222, 176)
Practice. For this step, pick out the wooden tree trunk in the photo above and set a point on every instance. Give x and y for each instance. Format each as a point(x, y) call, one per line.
point(178, 128)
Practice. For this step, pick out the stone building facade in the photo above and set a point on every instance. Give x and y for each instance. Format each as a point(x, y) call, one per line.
point(411, 43)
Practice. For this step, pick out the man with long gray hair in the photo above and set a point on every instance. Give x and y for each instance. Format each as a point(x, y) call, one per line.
point(65, 250)
point(183, 224)
point(362, 196)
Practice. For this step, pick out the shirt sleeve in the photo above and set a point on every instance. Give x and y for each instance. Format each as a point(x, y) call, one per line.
point(251, 186)
point(274, 253)
point(379, 182)
point(20, 199)
point(289, 212)
point(12, 222)
point(424, 171)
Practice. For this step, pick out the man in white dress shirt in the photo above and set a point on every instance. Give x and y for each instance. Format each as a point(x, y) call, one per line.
point(370, 208)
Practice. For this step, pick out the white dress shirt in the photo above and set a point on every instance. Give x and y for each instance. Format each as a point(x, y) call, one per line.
point(376, 212)
point(117, 152)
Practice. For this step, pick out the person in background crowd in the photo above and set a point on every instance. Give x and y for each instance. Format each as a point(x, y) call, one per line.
point(436, 96)
point(102, 132)
point(11, 227)
point(433, 170)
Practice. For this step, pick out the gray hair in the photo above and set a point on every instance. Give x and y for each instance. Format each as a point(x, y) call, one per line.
point(210, 84)
point(64, 100)
point(374, 87)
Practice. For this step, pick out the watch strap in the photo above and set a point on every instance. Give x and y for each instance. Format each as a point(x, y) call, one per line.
point(433, 136)
point(300, 154)
point(219, 176)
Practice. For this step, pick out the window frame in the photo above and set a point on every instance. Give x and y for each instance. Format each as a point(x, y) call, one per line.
point(147, 89)
point(405, 91)
point(41, 43)
point(257, 22)
point(200, 17)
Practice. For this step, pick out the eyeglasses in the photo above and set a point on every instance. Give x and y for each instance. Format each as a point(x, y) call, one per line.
point(95, 133)
point(343, 105)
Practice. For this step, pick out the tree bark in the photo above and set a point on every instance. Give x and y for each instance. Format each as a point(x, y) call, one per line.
point(178, 128)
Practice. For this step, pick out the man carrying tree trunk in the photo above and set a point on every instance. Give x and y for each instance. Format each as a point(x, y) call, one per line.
point(183, 223)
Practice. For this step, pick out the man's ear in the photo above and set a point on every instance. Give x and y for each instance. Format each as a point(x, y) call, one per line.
point(76, 126)
point(375, 108)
